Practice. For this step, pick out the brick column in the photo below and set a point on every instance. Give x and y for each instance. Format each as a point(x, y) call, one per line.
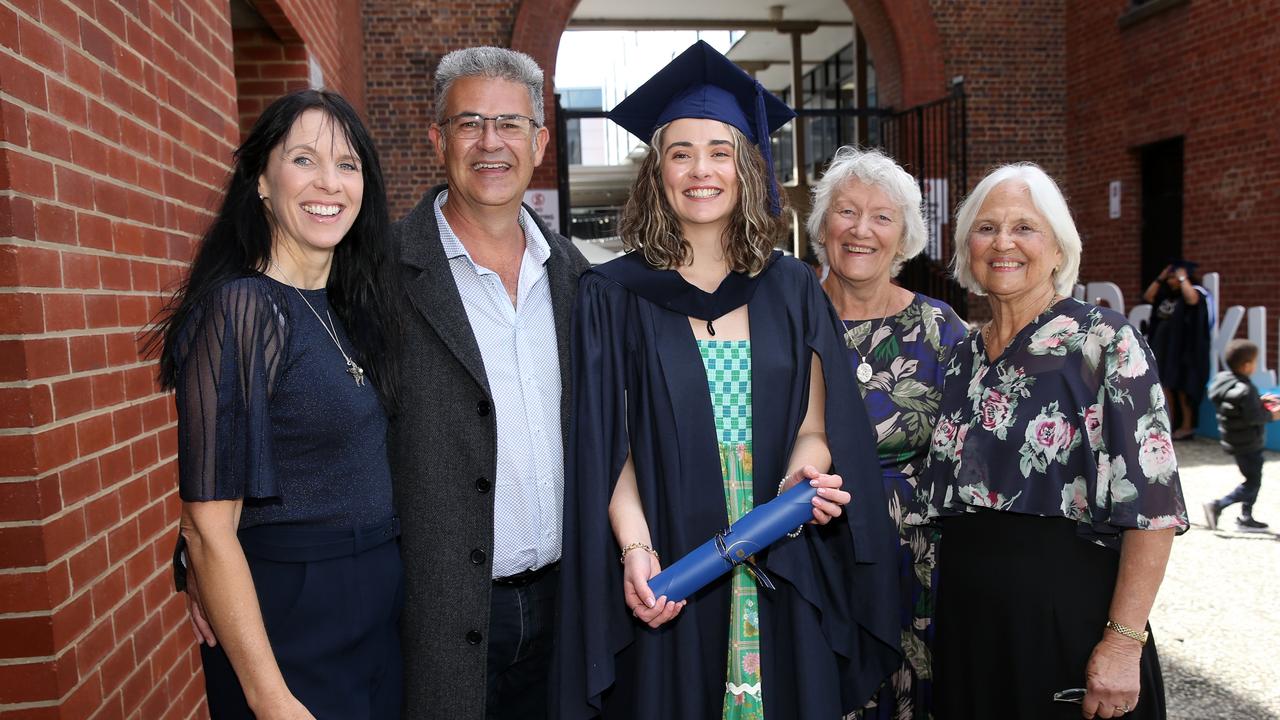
point(117, 123)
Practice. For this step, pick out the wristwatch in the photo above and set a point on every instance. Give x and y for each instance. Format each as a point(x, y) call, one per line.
point(1139, 635)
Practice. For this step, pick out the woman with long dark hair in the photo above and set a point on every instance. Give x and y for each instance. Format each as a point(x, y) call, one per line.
point(280, 348)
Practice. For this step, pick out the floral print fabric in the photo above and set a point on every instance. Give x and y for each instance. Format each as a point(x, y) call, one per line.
point(728, 367)
point(907, 353)
point(1069, 421)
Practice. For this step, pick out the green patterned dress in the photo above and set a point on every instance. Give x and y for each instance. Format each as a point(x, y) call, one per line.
point(728, 366)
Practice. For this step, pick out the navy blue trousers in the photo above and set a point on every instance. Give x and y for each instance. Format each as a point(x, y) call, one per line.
point(520, 636)
point(332, 622)
point(1246, 493)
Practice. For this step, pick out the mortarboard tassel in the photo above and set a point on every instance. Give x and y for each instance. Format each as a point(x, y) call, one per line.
point(766, 149)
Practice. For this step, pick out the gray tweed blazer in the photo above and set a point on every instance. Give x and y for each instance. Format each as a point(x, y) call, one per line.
point(443, 454)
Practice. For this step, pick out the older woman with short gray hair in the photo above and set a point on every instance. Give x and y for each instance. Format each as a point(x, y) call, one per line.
point(866, 223)
point(1053, 478)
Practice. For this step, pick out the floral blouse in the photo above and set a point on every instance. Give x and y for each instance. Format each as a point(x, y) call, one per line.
point(1069, 421)
point(908, 352)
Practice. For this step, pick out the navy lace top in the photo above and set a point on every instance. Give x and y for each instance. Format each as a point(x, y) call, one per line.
point(268, 413)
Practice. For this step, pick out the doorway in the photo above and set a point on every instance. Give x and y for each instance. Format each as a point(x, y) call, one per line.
point(1161, 205)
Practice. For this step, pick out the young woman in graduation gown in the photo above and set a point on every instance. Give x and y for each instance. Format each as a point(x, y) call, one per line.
point(702, 365)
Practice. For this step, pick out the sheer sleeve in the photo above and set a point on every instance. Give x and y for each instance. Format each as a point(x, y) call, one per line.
point(228, 358)
point(1137, 482)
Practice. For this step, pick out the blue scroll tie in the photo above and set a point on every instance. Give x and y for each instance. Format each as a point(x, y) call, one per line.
point(741, 558)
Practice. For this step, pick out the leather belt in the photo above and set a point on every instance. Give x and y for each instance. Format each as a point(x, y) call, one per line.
point(528, 576)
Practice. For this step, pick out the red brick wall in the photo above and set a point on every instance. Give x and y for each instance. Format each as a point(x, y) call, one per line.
point(118, 119)
point(404, 41)
point(332, 31)
point(266, 68)
point(1203, 71)
point(904, 44)
point(1013, 59)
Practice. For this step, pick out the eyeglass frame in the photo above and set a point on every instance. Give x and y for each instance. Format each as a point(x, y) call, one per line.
point(447, 124)
point(1071, 695)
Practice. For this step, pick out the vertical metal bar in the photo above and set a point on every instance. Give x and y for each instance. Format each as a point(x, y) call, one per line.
point(562, 165)
point(860, 81)
point(799, 137)
point(964, 138)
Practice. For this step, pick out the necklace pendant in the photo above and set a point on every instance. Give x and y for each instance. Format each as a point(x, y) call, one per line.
point(356, 372)
point(864, 372)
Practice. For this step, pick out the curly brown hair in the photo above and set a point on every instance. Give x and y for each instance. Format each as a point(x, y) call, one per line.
point(651, 226)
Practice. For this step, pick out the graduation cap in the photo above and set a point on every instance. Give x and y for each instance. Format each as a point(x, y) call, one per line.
point(702, 83)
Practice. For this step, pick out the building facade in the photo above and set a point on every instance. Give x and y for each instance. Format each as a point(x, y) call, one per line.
point(117, 123)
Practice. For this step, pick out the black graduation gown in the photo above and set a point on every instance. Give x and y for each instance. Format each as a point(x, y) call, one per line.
point(829, 632)
point(1180, 344)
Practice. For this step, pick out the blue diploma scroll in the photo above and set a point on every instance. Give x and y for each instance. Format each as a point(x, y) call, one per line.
point(735, 545)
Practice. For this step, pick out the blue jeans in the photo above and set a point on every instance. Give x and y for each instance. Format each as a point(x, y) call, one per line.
point(1250, 465)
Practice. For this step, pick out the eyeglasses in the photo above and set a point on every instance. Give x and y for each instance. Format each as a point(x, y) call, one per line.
point(1070, 695)
point(469, 126)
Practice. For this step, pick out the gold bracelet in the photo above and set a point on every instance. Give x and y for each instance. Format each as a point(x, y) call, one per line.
point(637, 546)
point(1140, 636)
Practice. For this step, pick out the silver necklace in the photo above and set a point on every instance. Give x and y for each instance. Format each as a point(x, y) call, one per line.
point(355, 371)
point(864, 371)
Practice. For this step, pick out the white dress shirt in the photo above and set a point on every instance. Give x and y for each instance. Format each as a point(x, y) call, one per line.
point(522, 362)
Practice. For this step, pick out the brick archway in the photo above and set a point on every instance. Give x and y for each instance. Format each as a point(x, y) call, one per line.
point(904, 42)
point(902, 37)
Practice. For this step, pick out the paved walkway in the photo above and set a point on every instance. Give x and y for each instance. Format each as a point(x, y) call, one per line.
point(1217, 618)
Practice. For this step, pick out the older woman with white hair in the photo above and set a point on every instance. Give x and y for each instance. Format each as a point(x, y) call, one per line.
point(1054, 478)
point(866, 223)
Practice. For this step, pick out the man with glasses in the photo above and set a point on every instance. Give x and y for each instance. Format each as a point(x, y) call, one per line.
point(477, 451)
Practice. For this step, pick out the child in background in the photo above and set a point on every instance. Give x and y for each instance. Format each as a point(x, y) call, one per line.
point(1242, 419)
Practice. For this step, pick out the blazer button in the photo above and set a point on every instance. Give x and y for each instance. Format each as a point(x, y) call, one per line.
point(474, 637)
point(482, 484)
point(477, 557)
point(482, 408)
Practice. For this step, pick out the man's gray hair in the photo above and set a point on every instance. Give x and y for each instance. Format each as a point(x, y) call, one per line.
point(490, 62)
point(873, 169)
point(1047, 198)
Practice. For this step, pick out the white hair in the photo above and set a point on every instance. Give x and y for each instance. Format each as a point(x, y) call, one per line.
point(1048, 200)
point(490, 62)
point(874, 169)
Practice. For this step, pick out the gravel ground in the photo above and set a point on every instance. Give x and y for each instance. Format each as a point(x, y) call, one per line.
point(1216, 619)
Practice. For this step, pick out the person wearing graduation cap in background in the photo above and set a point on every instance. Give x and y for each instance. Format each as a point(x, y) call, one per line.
point(702, 363)
point(1179, 336)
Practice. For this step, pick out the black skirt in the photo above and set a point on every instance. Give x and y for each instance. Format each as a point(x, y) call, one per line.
point(1022, 601)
